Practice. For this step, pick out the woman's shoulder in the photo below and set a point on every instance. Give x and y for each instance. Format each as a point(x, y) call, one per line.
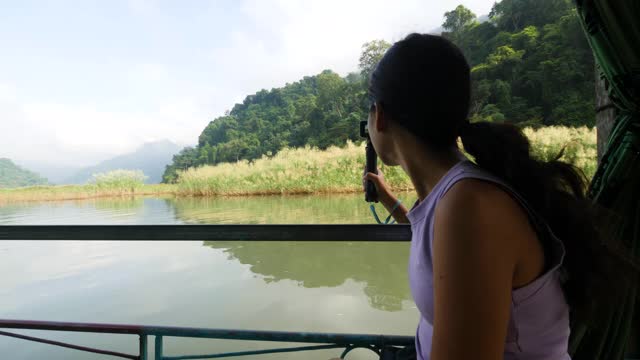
point(473, 197)
point(473, 188)
point(485, 210)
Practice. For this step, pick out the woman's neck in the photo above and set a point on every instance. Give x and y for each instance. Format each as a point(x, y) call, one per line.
point(425, 168)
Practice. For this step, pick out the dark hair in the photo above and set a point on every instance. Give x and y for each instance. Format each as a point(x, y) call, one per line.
point(423, 82)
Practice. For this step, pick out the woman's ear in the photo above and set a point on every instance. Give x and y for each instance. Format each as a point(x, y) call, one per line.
point(380, 120)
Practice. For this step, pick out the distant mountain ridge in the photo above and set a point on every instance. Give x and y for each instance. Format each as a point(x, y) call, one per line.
point(151, 158)
point(12, 175)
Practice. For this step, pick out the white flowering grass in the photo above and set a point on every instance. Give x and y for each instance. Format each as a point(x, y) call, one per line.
point(339, 169)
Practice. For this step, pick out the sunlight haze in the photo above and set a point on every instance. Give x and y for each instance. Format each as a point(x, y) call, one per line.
point(84, 81)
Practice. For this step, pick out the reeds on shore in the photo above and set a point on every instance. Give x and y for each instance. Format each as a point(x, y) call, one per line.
point(294, 171)
point(339, 169)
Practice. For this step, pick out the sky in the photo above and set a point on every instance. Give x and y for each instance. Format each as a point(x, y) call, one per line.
point(82, 81)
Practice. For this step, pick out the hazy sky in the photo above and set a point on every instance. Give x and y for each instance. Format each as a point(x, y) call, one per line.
point(81, 81)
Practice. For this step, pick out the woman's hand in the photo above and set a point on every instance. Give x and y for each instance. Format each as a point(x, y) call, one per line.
point(384, 194)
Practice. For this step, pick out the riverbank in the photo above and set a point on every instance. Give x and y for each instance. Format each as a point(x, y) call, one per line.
point(81, 192)
point(291, 171)
point(302, 171)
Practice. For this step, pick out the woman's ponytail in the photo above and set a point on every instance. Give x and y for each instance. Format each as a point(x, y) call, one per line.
point(557, 191)
point(500, 148)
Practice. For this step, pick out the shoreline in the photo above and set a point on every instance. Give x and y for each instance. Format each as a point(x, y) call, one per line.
point(297, 171)
point(30, 196)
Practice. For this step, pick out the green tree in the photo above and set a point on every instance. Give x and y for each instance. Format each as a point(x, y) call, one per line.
point(536, 52)
point(458, 20)
point(12, 175)
point(514, 15)
point(371, 54)
point(186, 158)
point(530, 65)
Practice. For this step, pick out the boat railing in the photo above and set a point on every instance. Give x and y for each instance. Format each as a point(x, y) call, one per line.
point(312, 341)
point(276, 232)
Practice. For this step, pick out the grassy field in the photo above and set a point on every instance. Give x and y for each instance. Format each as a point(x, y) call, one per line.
point(293, 171)
point(112, 184)
point(579, 144)
point(78, 192)
point(338, 170)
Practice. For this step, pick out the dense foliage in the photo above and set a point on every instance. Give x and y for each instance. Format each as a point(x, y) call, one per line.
point(530, 65)
point(319, 111)
point(11, 176)
point(530, 62)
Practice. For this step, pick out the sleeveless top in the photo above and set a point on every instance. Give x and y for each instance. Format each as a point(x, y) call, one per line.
point(539, 319)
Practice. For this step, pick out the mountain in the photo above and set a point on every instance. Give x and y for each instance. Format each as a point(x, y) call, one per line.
point(151, 158)
point(55, 173)
point(12, 175)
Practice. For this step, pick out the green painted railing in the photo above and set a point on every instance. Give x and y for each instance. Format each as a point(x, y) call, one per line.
point(320, 341)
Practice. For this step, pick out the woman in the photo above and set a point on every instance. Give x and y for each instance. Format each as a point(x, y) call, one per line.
point(503, 249)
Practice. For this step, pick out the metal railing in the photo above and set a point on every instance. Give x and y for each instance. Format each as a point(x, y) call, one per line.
point(347, 342)
point(340, 232)
point(321, 341)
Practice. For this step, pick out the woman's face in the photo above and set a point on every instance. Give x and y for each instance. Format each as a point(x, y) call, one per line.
point(379, 127)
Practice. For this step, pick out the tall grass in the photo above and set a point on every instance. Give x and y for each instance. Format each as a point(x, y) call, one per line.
point(337, 170)
point(579, 144)
point(78, 192)
point(109, 184)
point(123, 180)
point(290, 171)
point(295, 171)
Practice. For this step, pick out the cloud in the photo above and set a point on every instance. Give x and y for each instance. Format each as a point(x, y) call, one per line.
point(288, 39)
point(7, 93)
point(154, 73)
point(176, 74)
point(80, 135)
point(142, 6)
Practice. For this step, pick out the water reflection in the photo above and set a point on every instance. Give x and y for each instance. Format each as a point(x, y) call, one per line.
point(381, 266)
point(289, 286)
point(301, 209)
point(321, 209)
point(99, 211)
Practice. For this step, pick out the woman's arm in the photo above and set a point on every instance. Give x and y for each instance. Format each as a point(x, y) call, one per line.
point(388, 200)
point(385, 196)
point(474, 258)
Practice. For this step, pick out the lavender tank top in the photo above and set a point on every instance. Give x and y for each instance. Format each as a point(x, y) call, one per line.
point(539, 321)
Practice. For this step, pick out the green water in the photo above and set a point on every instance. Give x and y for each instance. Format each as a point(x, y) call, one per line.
point(355, 287)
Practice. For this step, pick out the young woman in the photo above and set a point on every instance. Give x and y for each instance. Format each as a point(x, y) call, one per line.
point(504, 248)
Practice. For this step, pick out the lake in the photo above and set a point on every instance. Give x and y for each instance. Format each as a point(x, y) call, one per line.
point(346, 287)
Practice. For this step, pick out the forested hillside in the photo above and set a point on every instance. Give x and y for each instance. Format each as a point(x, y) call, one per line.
point(320, 111)
point(530, 65)
point(11, 175)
